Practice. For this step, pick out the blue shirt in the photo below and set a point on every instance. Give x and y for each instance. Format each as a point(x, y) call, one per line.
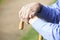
point(48, 23)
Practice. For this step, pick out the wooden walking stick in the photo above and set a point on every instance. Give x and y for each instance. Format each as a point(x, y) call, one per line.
point(40, 37)
point(21, 26)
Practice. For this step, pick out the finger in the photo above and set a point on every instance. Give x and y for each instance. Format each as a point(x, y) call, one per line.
point(22, 12)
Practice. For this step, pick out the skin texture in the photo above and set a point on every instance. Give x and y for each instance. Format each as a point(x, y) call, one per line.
point(28, 11)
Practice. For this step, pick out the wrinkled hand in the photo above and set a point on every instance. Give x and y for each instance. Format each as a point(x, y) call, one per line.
point(28, 11)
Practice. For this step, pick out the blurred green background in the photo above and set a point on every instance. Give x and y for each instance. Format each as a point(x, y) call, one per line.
point(9, 20)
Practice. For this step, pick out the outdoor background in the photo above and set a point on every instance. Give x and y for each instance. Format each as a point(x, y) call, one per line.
point(9, 20)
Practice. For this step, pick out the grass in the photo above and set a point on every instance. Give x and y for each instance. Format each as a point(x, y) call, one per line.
point(53, 2)
point(1, 1)
point(31, 35)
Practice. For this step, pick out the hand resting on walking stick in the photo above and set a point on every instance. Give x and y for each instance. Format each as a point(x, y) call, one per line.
point(27, 13)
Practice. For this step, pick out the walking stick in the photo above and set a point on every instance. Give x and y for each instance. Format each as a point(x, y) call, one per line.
point(21, 26)
point(40, 37)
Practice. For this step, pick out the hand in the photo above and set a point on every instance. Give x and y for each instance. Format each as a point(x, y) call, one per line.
point(28, 11)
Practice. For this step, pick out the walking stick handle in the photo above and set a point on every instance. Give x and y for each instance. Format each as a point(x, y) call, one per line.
point(40, 37)
point(21, 25)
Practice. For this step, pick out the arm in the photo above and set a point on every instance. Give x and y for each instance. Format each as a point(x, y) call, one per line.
point(48, 30)
point(50, 13)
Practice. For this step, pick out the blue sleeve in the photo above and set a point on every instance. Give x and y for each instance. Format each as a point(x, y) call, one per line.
point(50, 13)
point(48, 30)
